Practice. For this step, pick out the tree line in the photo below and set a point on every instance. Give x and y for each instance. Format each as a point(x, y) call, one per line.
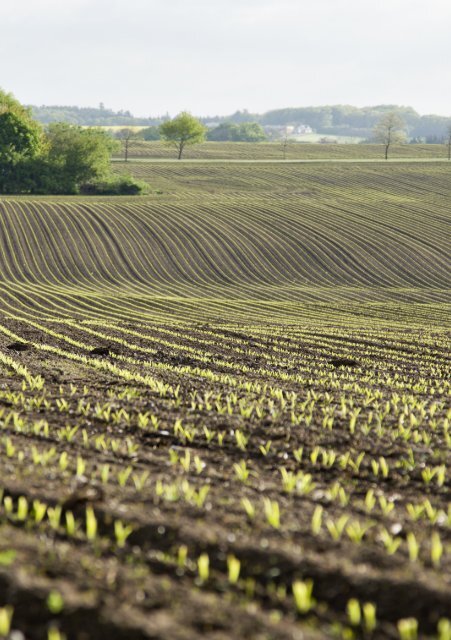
point(68, 159)
point(58, 159)
point(328, 120)
point(224, 132)
point(185, 130)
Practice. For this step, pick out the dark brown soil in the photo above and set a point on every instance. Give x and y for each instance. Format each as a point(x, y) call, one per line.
point(150, 586)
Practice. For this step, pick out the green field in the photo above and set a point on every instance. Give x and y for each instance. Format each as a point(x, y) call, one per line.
point(293, 151)
point(224, 406)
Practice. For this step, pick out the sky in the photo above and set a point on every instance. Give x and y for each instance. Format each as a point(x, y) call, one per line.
point(217, 56)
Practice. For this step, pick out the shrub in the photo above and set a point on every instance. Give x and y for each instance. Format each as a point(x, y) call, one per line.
point(123, 186)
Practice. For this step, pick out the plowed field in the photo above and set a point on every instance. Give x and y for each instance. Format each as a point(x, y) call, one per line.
point(224, 407)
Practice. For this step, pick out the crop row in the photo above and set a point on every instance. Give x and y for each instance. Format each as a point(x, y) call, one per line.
point(223, 256)
point(278, 151)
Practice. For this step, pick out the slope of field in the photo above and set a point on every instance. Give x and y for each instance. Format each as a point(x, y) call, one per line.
point(224, 407)
point(238, 242)
point(277, 151)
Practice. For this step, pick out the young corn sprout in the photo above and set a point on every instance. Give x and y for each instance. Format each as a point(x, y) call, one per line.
point(317, 520)
point(121, 532)
point(436, 549)
point(249, 508)
point(55, 602)
point(413, 546)
point(22, 508)
point(203, 567)
point(6, 615)
point(91, 524)
point(71, 524)
point(233, 569)
point(408, 629)
point(444, 629)
point(182, 556)
point(302, 593)
point(39, 510)
point(272, 512)
point(55, 634)
point(369, 616)
point(241, 471)
point(54, 516)
point(354, 612)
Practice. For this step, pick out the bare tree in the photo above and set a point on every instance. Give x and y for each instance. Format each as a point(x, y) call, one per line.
point(125, 135)
point(390, 130)
point(448, 140)
point(284, 146)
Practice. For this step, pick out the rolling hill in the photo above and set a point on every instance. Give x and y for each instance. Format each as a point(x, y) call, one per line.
point(273, 243)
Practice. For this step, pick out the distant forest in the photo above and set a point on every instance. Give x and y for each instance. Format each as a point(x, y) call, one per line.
point(328, 120)
point(92, 116)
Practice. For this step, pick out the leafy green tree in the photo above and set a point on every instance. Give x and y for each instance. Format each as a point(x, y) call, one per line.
point(183, 130)
point(230, 132)
point(21, 138)
point(390, 130)
point(62, 159)
point(78, 155)
point(251, 132)
point(224, 132)
point(149, 133)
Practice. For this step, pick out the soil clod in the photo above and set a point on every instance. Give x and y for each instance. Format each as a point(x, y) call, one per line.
point(18, 346)
point(343, 362)
point(100, 351)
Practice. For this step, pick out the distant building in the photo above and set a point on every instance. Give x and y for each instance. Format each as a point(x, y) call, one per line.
point(282, 130)
point(303, 129)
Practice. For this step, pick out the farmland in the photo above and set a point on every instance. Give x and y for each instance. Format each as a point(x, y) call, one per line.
point(224, 406)
point(291, 151)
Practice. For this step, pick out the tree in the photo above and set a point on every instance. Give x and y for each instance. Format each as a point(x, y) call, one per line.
point(183, 130)
point(61, 159)
point(389, 130)
point(149, 133)
point(251, 132)
point(21, 138)
point(224, 132)
point(78, 155)
point(448, 140)
point(125, 135)
point(230, 132)
point(284, 146)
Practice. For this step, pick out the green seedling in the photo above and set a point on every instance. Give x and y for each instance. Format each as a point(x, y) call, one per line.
point(248, 508)
point(6, 616)
point(39, 511)
point(54, 516)
point(203, 567)
point(71, 524)
point(91, 524)
point(436, 549)
point(317, 520)
point(121, 532)
point(233, 569)
point(123, 475)
point(354, 612)
point(272, 512)
point(55, 602)
point(412, 546)
point(444, 629)
point(408, 629)
point(302, 592)
point(182, 556)
point(369, 616)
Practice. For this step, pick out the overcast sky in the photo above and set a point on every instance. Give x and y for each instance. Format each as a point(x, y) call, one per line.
point(217, 56)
